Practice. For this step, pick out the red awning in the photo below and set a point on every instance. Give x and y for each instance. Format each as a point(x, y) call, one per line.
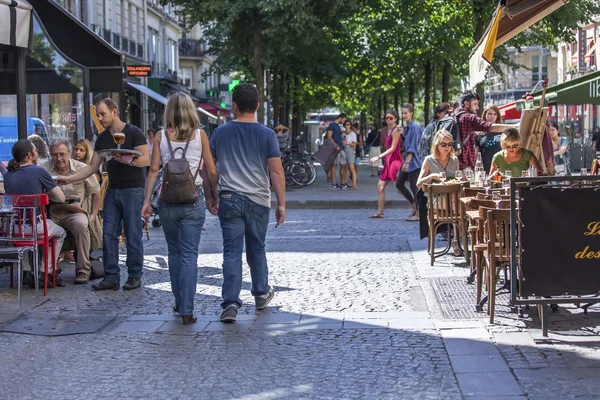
point(591, 52)
point(509, 111)
point(211, 108)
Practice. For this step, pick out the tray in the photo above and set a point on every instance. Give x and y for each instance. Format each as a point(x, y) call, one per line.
point(111, 152)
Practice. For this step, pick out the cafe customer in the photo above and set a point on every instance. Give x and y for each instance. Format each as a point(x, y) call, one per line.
point(72, 216)
point(124, 197)
point(442, 164)
point(513, 157)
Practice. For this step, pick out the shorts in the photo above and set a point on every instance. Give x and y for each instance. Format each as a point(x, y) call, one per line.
point(350, 154)
point(341, 158)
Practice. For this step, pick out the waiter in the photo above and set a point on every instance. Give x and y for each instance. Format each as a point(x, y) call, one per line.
point(124, 197)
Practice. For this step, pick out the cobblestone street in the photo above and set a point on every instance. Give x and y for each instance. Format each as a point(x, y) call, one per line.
point(358, 314)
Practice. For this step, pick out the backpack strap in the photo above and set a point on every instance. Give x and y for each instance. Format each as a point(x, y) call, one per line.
point(187, 144)
point(199, 137)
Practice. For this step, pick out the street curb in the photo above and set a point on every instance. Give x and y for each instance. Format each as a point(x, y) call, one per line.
point(339, 204)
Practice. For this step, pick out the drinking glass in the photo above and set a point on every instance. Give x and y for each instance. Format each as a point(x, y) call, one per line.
point(119, 138)
point(6, 203)
point(469, 175)
point(525, 174)
point(583, 171)
point(442, 177)
point(458, 175)
point(486, 185)
point(496, 198)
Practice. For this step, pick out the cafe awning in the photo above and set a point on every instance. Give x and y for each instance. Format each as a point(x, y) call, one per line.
point(15, 23)
point(583, 90)
point(82, 46)
point(162, 99)
point(510, 18)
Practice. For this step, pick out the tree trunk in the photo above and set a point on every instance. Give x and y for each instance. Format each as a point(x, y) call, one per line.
point(385, 103)
point(257, 65)
point(282, 95)
point(434, 99)
point(445, 81)
point(411, 92)
point(396, 105)
point(295, 112)
point(378, 114)
point(427, 100)
point(288, 101)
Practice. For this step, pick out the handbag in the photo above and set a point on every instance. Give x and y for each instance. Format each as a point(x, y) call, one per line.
point(326, 155)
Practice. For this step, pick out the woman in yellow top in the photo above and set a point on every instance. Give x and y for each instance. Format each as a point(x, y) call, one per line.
point(512, 157)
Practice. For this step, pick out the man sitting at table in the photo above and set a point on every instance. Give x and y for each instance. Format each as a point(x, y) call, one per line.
point(25, 177)
point(72, 216)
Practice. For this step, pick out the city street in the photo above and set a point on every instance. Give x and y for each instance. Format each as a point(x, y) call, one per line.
point(356, 315)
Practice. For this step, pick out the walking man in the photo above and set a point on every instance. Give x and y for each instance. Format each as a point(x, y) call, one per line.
point(124, 197)
point(334, 134)
point(248, 162)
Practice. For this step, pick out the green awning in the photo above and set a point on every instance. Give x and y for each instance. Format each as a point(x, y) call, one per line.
point(582, 90)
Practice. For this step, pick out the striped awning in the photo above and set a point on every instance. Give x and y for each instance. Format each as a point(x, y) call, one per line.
point(15, 23)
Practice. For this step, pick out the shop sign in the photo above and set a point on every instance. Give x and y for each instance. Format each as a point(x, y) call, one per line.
point(139, 70)
point(560, 241)
point(595, 88)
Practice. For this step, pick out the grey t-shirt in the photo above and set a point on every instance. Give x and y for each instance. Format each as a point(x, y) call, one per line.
point(435, 167)
point(242, 151)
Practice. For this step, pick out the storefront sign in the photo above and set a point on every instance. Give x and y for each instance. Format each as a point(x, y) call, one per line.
point(582, 49)
point(560, 241)
point(139, 70)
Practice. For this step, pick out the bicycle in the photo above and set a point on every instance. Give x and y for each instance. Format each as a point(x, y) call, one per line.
point(299, 169)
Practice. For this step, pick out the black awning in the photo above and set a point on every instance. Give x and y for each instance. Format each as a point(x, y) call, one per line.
point(82, 46)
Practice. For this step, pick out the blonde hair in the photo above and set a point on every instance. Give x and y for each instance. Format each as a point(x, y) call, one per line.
point(509, 136)
point(437, 139)
point(181, 115)
point(88, 149)
point(495, 109)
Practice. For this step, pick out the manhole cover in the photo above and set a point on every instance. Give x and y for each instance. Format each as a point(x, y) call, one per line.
point(457, 298)
point(57, 325)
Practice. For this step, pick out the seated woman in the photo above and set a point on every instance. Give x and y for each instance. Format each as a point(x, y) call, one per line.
point(512, 157)
point(442, 159)
point(83, 152)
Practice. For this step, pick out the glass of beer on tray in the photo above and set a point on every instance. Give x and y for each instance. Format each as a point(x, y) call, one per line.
point(119, 138)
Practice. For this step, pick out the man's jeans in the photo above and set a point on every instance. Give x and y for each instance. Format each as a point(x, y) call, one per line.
point(239, 217)
point(182, 224)
point(122, 209)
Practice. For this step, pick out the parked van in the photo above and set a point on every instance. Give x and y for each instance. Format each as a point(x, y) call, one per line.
point(9, 133)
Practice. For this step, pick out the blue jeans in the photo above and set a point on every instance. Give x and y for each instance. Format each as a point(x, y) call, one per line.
point(242, 218)
point(122, 209)
point(182, 224)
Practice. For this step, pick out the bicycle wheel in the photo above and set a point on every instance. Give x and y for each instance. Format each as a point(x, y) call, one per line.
point(303, 173)
point(290, 170)
point(310, 174)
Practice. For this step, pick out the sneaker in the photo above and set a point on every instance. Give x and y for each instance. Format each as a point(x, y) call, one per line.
point(344, 186)
point(228, 315)
point(132, 283)
point(333, 187)
point(263, 301)
point(105, 285)
point(81, 278)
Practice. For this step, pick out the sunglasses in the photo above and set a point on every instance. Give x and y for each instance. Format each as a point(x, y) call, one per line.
point(514, 146)
point(390, 117)
point(445, 144)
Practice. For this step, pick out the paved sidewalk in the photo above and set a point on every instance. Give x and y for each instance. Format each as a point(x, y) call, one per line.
point(319, 195)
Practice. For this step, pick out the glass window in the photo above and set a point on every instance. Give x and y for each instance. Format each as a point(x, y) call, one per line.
point(185, 74)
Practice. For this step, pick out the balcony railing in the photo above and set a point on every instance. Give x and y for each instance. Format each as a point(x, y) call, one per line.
point(191, 48)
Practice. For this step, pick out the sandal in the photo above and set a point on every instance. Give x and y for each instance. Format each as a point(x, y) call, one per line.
point(376, 215)
point(456, 248)
point(413, 217)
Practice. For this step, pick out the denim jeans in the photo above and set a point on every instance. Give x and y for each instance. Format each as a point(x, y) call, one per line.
point(182, 224)
point(122, 209)
point(242, 218)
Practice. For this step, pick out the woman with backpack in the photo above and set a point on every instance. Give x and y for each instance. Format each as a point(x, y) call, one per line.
point(412, 160)
point(180, 148)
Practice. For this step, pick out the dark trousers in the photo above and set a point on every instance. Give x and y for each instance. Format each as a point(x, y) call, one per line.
point(412, 177)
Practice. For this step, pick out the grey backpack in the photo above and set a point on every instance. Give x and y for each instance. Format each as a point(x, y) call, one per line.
point(179, 185)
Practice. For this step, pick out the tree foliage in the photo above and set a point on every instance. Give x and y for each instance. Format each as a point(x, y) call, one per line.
point(357, 55)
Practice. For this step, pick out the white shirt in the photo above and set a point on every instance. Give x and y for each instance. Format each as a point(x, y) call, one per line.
point(350, 138)
point(193, 155)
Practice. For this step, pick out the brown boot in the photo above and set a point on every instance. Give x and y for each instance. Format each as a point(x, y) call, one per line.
point(81, 278)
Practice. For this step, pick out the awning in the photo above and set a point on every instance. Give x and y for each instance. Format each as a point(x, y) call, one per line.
point(591, 52)
point(583, 90)
point(162, 99)
point(82, 46)
point(15, 23)
point(509, 111)
point(148, 92)
point(510, 18)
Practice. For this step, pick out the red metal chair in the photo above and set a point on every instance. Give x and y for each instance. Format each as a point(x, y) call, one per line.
point(31, 211)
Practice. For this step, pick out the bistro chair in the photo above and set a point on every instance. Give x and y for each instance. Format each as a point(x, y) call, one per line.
point(497, 252)
point(443, 209)
point(31, 211)
point(472, 191)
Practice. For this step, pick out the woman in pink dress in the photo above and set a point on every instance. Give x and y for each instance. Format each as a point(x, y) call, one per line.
point(393, 159)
